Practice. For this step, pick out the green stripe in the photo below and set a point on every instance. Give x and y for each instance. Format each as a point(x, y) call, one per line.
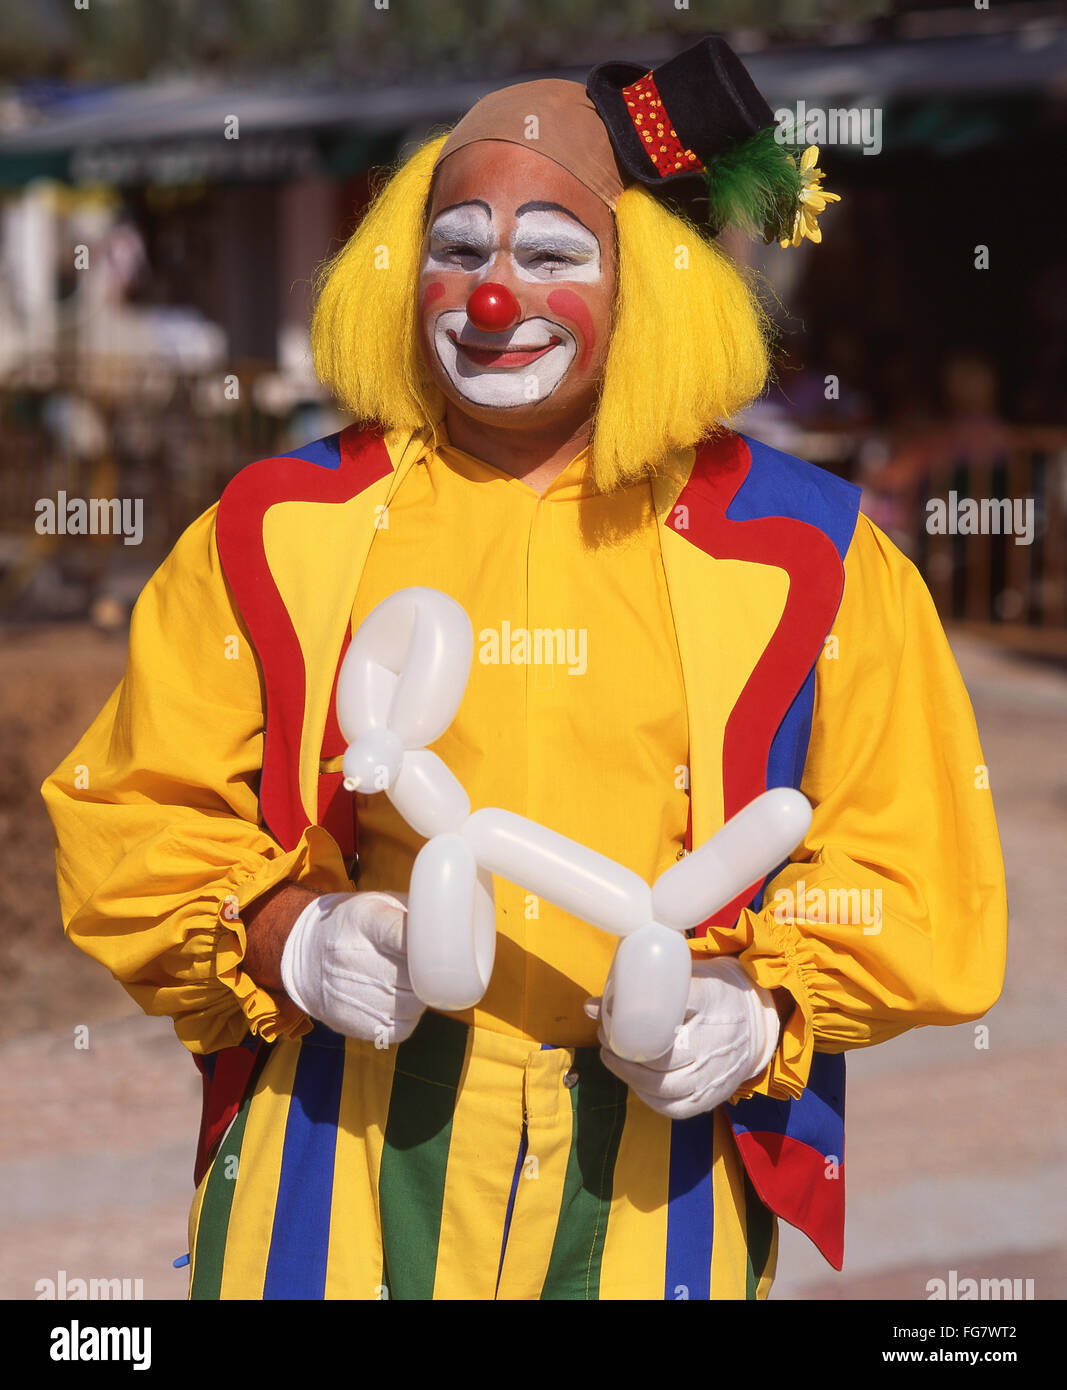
point(759, 1229)
point(418, 1132)
point(598, 1101)
point(215, 1209)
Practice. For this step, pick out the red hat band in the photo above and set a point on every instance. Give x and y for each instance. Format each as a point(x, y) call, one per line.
point(652, 122)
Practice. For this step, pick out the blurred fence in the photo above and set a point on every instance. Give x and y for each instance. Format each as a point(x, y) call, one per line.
point(988, 535)
point(172, 441)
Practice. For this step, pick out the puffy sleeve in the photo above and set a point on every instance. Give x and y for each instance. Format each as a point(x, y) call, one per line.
point(159, 844)
point(892, 913)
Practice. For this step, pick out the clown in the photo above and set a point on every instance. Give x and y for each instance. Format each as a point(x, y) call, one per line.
point(542, 355)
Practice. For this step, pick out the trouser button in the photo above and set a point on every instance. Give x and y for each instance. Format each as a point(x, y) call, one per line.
point(570, 1078)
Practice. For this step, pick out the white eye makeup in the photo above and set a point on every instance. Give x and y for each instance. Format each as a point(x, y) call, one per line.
point(548, 245)
point(545, 244)
point(461, 238)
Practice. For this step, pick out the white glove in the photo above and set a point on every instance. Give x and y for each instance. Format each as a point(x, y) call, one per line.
point(345, 964)
point(729, 1035)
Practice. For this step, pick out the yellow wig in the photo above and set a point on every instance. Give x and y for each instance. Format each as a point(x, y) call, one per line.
point(688, 347)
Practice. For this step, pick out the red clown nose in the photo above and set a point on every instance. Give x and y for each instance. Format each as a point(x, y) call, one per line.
point(493, 308)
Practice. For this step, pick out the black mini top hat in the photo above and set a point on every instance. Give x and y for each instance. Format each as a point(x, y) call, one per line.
point(698, 134)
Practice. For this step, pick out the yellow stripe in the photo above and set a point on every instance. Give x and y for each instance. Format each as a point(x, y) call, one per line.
point(635, 1248)
point(255, 1195)
point(729, 1251)
point(540, 1191)
point(748, 600)
point(486, 1130)
point(354, 1258)
point(764, 1286)
point(316, 551)
point(194, 1224)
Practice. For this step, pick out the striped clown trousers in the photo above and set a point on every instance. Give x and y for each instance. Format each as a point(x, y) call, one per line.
point(469, 1164)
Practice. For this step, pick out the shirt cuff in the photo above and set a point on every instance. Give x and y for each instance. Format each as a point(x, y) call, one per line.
point(316, 863)
point(776, 958)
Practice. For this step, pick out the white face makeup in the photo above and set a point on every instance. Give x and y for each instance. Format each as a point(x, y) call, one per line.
point(527, 362)
point(524, 364)
point(547, 245)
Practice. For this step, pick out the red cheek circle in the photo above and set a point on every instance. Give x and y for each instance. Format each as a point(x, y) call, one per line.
point(571, 306)
point(431, 294)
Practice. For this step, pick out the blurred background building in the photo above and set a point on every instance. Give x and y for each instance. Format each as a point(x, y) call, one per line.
point(168, 186)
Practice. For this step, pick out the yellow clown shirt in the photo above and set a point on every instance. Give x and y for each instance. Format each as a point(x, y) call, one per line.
point(628, 650)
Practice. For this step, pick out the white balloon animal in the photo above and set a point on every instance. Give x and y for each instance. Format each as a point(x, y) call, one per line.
point(400, 686)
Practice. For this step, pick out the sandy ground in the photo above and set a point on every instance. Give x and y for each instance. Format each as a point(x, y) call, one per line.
point(955, 1153)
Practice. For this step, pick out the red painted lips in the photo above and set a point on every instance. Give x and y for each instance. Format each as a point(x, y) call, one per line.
point(497, 357)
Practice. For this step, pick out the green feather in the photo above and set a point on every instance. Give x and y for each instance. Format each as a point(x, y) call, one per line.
point(755, 186)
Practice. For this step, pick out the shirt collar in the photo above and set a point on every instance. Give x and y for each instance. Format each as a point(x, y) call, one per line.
point(573, 483)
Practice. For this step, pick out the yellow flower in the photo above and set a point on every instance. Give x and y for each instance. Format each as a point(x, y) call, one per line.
point(813, 199)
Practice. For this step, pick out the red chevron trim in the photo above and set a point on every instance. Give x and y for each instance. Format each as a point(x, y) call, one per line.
point(794, 1177)
point(239, 528)
point(224, 1087)
point(816, 578)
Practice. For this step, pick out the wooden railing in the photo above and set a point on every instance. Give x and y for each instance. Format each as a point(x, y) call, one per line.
point(988, 535)
point(175, 448)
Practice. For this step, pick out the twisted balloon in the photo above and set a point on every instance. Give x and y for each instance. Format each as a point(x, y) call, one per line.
point(400, 686)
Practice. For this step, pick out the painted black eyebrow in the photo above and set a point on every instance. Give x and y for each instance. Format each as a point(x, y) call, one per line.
point(556, 207)
point(467, 203)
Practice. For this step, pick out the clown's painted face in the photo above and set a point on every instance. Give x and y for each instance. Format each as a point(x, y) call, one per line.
point(531, 344)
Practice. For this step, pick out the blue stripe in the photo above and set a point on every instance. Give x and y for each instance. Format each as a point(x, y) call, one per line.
point(817, 1118)
point(326, 452)
point(520, 1160)
point(690, 1209)
point(778, 484)
point(296, 1264)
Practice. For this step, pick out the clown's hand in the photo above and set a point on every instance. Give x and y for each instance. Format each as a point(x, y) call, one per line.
point(729, 1035)
point(345, 964)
